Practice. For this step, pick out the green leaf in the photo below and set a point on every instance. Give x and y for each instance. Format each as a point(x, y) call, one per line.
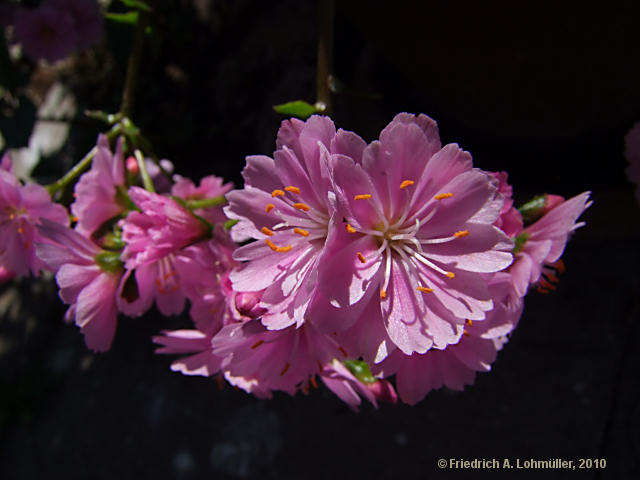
point(130, 17)
point(519, 242)
point(360, 370)
point(298, 108)
point(109, 261)
point(137, 4)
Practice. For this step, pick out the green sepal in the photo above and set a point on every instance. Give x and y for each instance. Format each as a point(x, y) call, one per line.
point(519, 242)
point(109, 261)
point(228, 225)
point(360, 370)
point(298, 108)
point(532, 210)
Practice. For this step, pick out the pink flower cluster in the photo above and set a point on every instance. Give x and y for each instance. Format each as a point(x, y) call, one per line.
point(395, 258)
point(58, 27)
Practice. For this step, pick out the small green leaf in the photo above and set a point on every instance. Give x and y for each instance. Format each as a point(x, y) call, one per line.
point(137, 4)
point(298, 108)
point(360, 370)
point(129, 17)
point(109, 261)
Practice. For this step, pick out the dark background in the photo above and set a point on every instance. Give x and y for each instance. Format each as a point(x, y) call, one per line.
point(546, 92)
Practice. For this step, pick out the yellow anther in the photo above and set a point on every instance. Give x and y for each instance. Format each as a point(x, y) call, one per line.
point(20, 229)
point(284, 370)
point(344, 352)
point(440, 196)
point(406, 183)
point(364, 196)
point(301, 206)
point(269, 207)
point(266, 231)
point(283, 249)
point(450, 275)
point(465, 333)
point(425, 289)
point(257, 344)
point(277, 193)
point(74, 219)
point(301, 231)
point(292, 189)
point(169, 274)
point(469, 322)
point(12, 215)
point(350, 229)
point(312, 380)
point(383, 294)
point(461, 233)
point(361, 257)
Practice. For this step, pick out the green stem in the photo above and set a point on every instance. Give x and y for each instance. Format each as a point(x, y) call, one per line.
point(79, 168)
point(133, 67)
point(146, 179)
point(206, 202)
point(324, 69)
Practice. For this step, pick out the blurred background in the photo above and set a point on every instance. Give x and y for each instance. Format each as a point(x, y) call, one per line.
point(546, 92)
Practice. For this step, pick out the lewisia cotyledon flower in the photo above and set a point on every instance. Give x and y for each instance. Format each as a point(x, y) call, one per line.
point(286, 206)
point(416, 239)
point(21, 208)
point(89, 278)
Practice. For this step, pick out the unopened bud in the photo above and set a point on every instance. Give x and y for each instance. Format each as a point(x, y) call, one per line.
point(247, 304)
point(132, 166)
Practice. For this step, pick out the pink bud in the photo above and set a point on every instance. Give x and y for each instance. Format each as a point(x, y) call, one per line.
point(551, 202)
point(132, 166)
point(247, 304)
point(383, 391)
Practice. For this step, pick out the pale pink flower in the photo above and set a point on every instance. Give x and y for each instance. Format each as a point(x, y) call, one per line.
point(543, 243)
point(45, 32)
point(632, 153)
point(418, 235)
point(90, 280)
point(200, 359)
point(286, 206)
point(21, 208)
point(510, 220)
point(100, 194)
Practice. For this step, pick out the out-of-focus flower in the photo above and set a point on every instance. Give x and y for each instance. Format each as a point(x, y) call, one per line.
point(210, 187)
point(45, 32)
point(88, 23)
point(22, 207)
point(90, 280)
point(632, 153)
point(417, 236)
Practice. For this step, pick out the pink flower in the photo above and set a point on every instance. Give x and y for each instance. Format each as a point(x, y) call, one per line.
point(632, 153)
point(200, 359)
point(510, 220)
point(210, 187)
point(543, 243)
point(21, 209)
point(260, 360)
point(456, 366)
point(285, 205)
point(45, 32)
point(161, 227)
point(417, 237)
point(100, 194)
point(89, 278)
